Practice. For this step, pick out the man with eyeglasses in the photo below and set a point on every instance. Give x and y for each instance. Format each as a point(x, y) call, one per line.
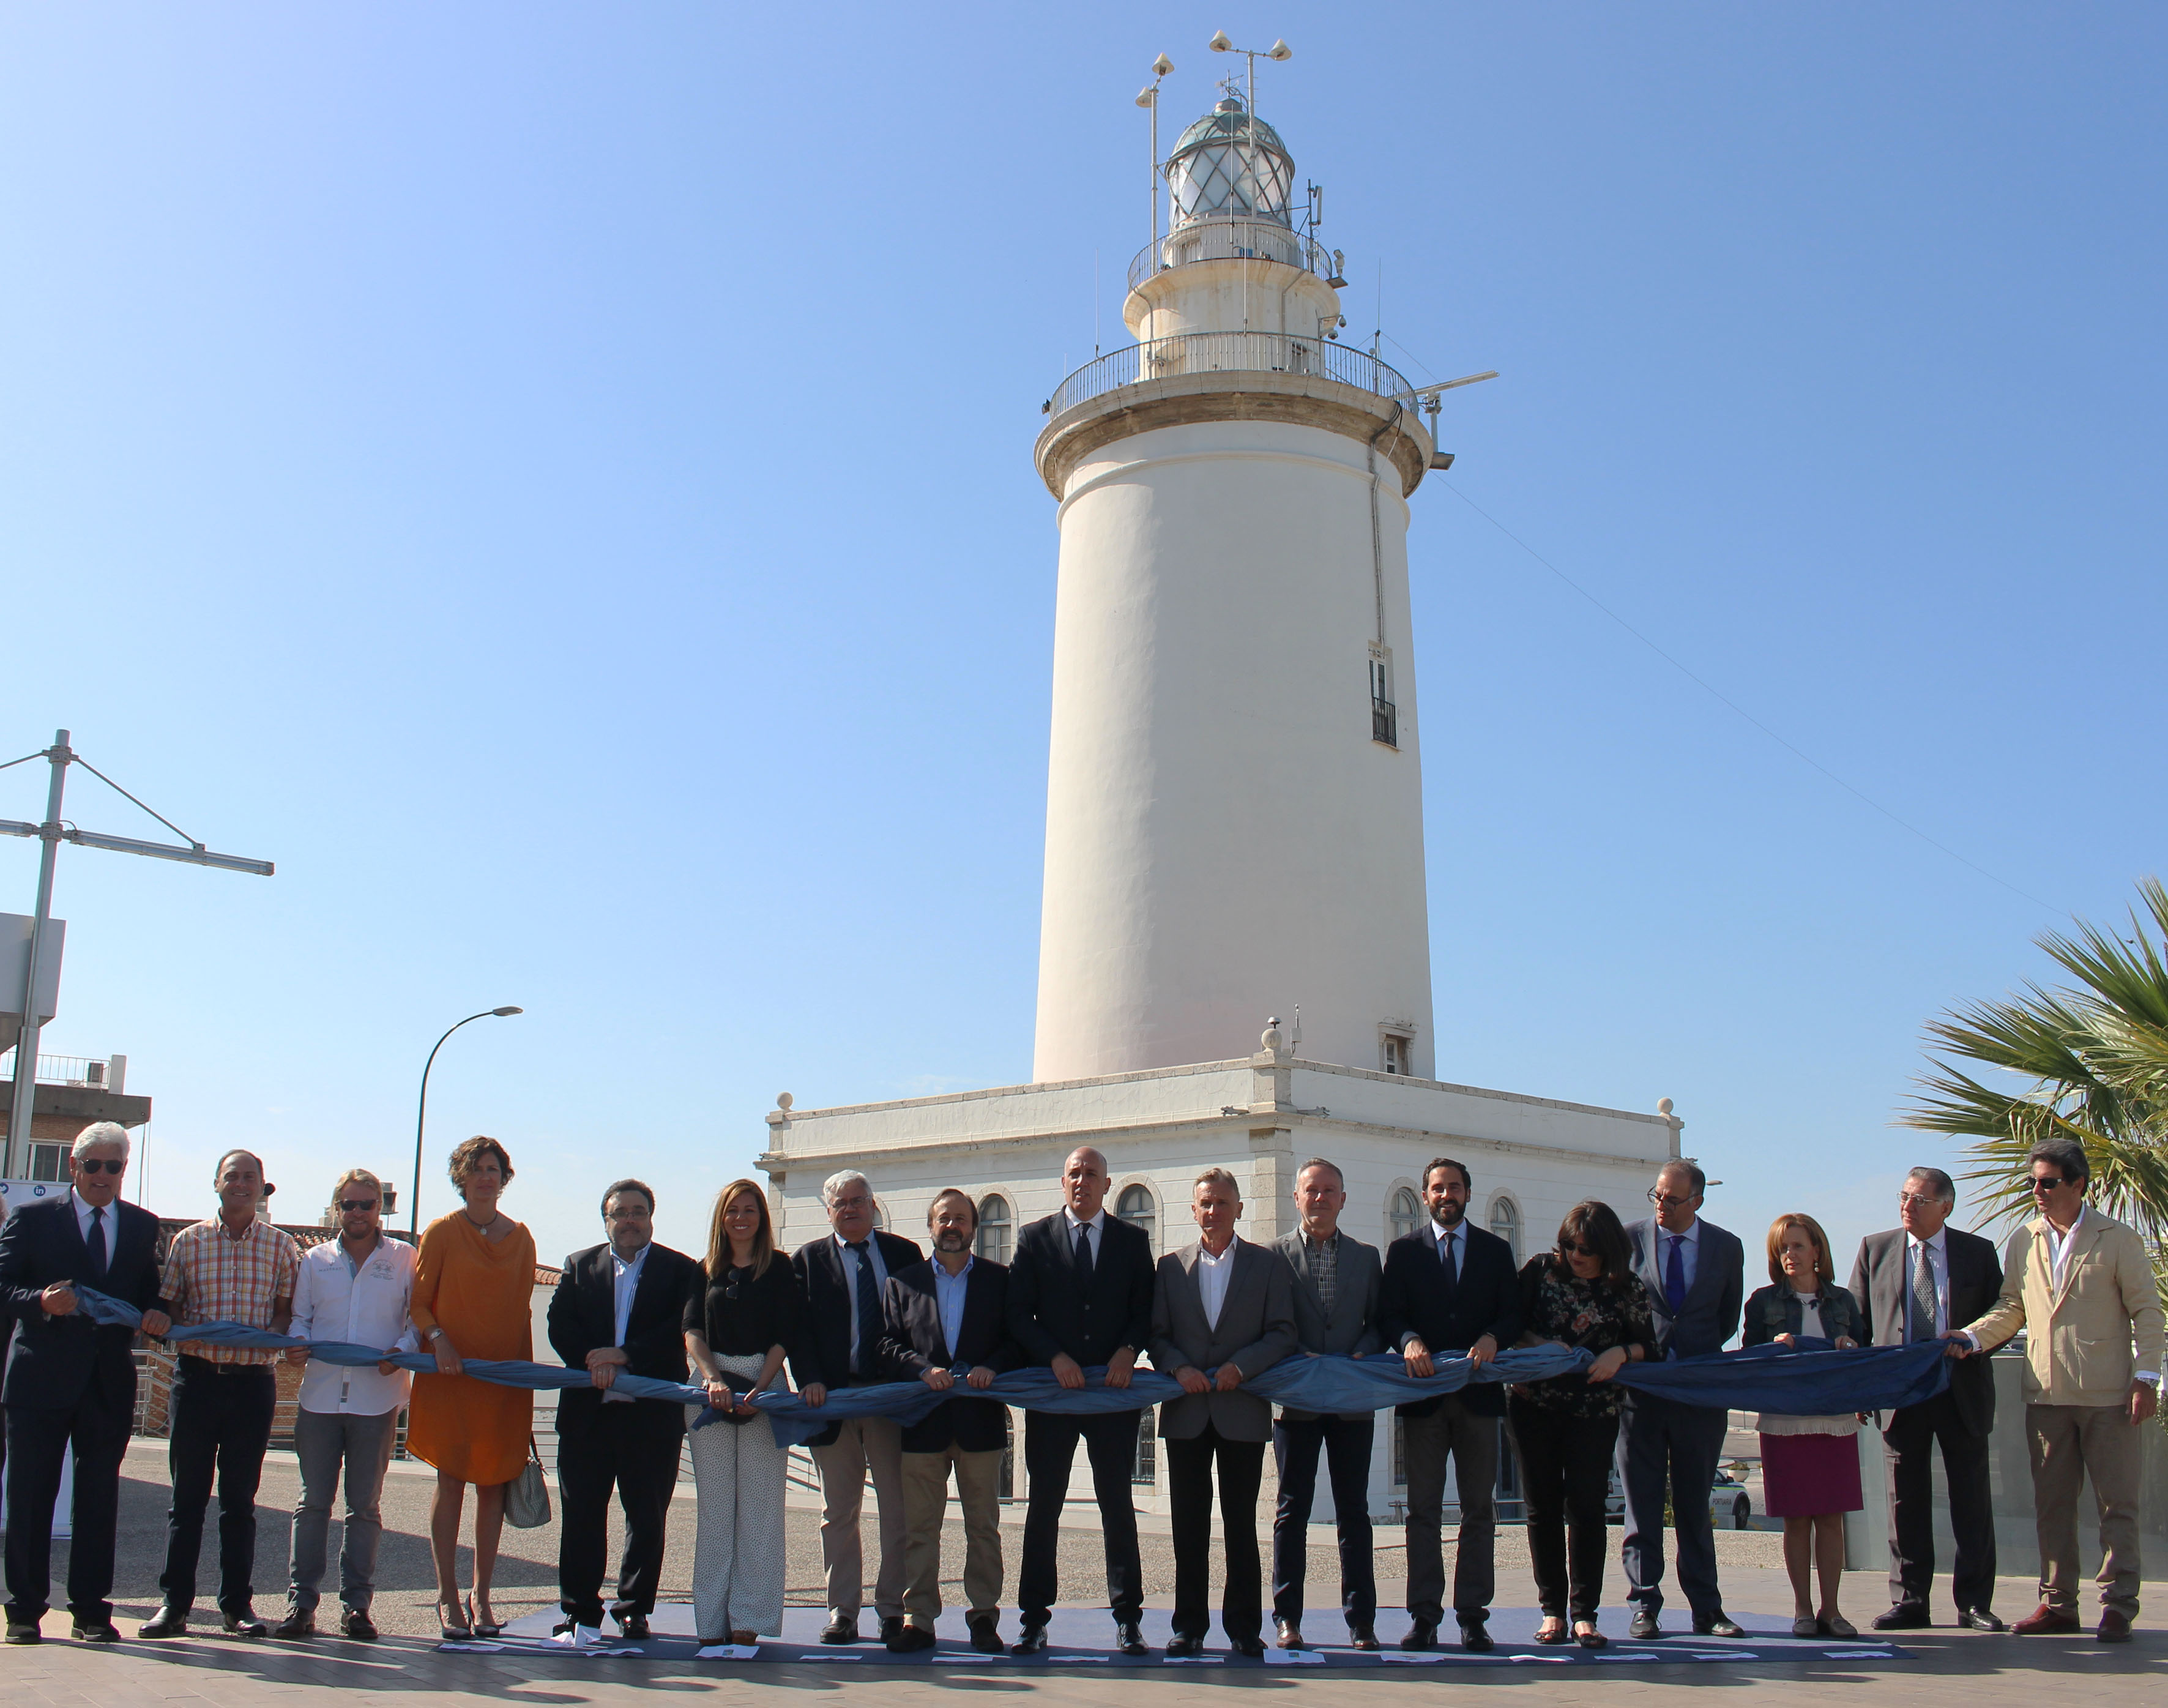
point(69, 1383)
point(1914, 1282)
point(842, 1279)
point(356, 1288)
point(2081, 1284)
point(1695, 1274)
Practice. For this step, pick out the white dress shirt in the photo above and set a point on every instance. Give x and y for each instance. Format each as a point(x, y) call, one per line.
point(1213, 1275)
point(851, 1282)
point(624, 1278)
point(1938, 1265)
point(2059, 1248)
point(82, 1214)
point(335, 1299)
point(1097, 1224)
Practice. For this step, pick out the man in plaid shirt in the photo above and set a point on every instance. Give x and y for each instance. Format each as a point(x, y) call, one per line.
point(234, 1268)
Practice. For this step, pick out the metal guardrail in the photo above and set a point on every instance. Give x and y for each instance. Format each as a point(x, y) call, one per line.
point(94, 1071)
point(1235, 238)
point(1209, 353)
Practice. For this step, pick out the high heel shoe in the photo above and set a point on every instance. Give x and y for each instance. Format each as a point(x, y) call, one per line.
point(485, 1629)
point(455, 1633)
point(1588, 1636)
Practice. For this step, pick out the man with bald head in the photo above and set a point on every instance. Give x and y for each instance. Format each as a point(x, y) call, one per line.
point(1081, 1296)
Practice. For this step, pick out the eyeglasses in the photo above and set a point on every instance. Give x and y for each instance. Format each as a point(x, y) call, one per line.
point(2049, 1183)
point(1657, 1196)
point(857, 1203)
point(1905, 1200)
point(114, 1166)
point(352, 1204)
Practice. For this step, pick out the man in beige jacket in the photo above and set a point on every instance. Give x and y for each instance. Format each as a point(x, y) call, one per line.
point(2080, 1283)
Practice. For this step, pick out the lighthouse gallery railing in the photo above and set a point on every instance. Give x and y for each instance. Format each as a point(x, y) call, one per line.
point(1239, 353)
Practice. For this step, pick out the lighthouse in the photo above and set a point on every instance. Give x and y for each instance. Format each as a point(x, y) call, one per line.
point(1234, 821)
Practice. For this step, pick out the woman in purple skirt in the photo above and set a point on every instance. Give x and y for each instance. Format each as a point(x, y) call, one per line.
point(1809, 1466)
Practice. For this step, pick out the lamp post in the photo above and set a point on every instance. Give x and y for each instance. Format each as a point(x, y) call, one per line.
point(422, 1114)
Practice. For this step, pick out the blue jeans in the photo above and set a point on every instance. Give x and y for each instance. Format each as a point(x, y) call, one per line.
point(1346, 1444)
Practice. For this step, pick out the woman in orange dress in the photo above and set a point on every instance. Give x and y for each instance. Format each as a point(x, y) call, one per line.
point(473, 1289)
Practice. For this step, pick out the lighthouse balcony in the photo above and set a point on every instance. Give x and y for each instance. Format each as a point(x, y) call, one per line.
point(1227, 351)
point(1234, 237)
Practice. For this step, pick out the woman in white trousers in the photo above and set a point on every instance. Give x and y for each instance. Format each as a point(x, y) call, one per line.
point(738, 1330)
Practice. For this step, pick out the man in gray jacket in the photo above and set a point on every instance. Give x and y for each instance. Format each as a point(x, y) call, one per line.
point(1335, 1311)
point(1223, 1310)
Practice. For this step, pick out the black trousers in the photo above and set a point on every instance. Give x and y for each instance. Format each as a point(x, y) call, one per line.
point(1049, 1447)
point(1189, 1503)
point(1566, 1473)
point(634, 1448)
point(222, 1415)
point(1911, 1437)
point(1346, 1444)
point(1470, 1439)
point(1659, 1441)
point(37, 1447)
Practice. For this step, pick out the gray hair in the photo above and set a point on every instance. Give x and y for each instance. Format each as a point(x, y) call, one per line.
point(1938, 1183)
point(1217, 1176)
point(101, 1133)
point(834, 1184)
point(1339, 1178)
point(2068, 1156)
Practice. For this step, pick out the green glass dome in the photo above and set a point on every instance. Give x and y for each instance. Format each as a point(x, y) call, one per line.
point(1229, 163)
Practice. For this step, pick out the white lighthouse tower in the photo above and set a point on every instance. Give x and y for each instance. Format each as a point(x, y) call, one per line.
point(1234, 820)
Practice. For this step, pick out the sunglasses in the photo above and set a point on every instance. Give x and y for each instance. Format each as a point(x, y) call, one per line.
point(351, 1204)
point(2049, 1183)
point(1572, 1250)
point(115, 1166)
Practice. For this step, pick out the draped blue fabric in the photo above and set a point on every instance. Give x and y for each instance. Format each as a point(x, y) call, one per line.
point(1814, 1381)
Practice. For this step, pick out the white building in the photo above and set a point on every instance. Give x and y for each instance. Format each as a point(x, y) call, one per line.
point(1234, 801)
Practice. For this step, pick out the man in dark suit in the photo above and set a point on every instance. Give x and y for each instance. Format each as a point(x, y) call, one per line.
point(1916, 1282)
point(1695, 1274)
point(68, 1382)
point(1336, 1280)
point(1080, 1296)
point(1223, 1311)
point(842, 1278)
point(619, 1310)
point(1448, 1287)
point(948, 1314)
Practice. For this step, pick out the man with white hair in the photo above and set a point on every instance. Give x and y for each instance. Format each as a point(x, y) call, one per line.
point(70, 1382)
point(843, 1277)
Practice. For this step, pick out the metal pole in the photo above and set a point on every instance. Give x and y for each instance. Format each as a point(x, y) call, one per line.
point(422, 1114)
point(26, 1044)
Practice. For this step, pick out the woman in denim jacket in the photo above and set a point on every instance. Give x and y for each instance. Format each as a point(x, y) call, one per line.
point(1809, 1466)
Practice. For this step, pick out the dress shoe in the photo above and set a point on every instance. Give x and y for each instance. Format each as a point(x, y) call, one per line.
point(891, 1627)
point(1181, 1648)
point(354, 1623)
point(1250, 1648)
point(1130, 1637)
point(1422, 1635)
point(2114, 1627)
point(1031, 1640)
point(2044, 1621)
point(1475, 1638)
point(1974, 1619)
point(24, 1630)
point(102, 1631)
point(1552, 1633)
point(840, 1630)
point(1838, 1626)
point(1362, 1635)
point(1905, 1617)
point(1287, 1634)
point(908, 1640)
point(985, 1634)
point(298, 1622)
point(1718, 1624)
point(1645, 1628)
point(632, 1627)
point(246, 1624)
point(171, 1621)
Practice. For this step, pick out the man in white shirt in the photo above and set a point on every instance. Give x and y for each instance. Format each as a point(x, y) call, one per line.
point(356, 1289)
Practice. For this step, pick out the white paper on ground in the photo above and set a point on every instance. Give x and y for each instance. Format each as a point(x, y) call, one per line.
point(600, 1653)
point(1409, 1657)
point(470, 1648)
point(580, 1636)
point(1542, 1660)
point(1080, 1660)
point(966, 1660)
point(1293, 1658)
point(728, 1651)
point(1194, 1660)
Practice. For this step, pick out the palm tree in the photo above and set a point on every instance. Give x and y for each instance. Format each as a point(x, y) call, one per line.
point(2094, 1062)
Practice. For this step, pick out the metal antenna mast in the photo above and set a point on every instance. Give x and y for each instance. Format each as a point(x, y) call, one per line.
point(1148, 98)
point(52, 833)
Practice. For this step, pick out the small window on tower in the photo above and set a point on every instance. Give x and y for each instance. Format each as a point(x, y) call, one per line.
point(1384, 716)
point(1397, 1056)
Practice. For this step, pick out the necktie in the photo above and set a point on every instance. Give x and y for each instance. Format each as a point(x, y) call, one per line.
point(1675, 1275)
point(869, 1311)
point(96, 1243)
point(1923, 1296)
point(1445, 1261)
point(1084, 1252)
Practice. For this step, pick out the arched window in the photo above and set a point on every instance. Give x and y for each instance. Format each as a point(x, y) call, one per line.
point(1505, 1222)
point(994, 1228)
point(1405, 1213)
point(1135, 1207)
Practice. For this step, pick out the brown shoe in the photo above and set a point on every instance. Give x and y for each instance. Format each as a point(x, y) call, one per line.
point(2114, 1627)
point(2045, 1622)
point(1288, 1634)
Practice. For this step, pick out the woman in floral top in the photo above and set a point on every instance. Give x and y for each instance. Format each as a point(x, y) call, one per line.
point(1564, 1431)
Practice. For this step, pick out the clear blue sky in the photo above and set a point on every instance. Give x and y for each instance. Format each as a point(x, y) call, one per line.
point(557, 480)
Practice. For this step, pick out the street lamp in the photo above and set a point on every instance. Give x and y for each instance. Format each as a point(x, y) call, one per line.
point(422, 1114)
